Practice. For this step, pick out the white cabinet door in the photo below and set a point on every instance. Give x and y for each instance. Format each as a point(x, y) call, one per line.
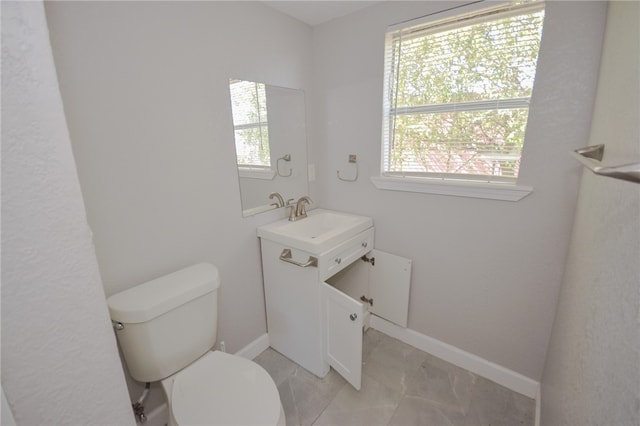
point(389, 282)
point(343, 334)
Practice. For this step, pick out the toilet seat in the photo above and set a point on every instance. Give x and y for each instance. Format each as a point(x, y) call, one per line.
point(224, 389)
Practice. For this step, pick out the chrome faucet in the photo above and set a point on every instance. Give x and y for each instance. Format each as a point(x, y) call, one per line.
point(280, 202)
point(299, 210)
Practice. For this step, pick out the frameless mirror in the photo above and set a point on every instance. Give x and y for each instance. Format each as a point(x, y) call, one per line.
point(271, 145)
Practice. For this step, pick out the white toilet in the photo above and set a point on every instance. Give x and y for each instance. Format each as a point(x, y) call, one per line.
point(168, 328)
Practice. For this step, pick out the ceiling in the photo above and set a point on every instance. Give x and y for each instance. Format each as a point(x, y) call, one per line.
point(317, 12)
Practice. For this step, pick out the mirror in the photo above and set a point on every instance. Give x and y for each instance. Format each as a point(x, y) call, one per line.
point(269, 124)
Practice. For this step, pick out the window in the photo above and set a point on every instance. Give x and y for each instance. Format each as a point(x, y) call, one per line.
point(250, 124)
point(456, 95)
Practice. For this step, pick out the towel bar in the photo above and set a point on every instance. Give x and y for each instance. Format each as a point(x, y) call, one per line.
point(286, 257)
point(591, 156)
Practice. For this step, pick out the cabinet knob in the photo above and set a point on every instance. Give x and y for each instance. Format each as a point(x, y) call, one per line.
point(338, 260)
point(353, 317)
point(365, 244)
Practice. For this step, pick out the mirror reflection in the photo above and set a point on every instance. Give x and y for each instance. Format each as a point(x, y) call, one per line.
point(271, 146)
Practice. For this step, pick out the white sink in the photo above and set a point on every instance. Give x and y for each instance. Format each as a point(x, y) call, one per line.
point(318, 232)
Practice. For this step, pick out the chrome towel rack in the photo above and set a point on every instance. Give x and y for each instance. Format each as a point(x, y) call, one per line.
point(352, 160)
point(591, 156)
point(287, 158)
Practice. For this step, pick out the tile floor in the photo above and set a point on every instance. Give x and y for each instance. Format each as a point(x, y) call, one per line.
point(401, 385)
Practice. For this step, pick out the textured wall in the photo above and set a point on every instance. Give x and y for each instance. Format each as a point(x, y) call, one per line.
point(59, 359)
point(592, 372)
point(486, 273)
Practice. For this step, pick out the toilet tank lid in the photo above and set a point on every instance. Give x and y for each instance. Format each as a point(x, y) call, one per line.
point(156, 297)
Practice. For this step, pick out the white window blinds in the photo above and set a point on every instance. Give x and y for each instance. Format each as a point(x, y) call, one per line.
point(456, 94)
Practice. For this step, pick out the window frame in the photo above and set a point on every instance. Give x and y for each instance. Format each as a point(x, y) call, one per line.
point(254, 170)
point(464, 185)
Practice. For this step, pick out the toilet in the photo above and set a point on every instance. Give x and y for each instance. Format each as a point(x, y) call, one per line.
point(166, 329)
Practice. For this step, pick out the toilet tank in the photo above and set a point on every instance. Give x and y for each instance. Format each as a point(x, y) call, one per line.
point(169, 322)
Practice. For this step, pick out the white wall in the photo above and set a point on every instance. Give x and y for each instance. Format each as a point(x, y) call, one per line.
point(592, 372)
point(145, 90)
point(486, 273)
point(59, 359)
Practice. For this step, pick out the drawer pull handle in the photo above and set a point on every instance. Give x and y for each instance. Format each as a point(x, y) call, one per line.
point(353, 317)
point(286, 257)
point(338, 260)
point(365, 244)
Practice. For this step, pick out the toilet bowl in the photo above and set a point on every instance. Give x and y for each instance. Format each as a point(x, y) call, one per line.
point(166, 329)
point(223, 389)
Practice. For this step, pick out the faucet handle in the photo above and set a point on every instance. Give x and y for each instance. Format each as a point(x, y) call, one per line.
point(301, 210)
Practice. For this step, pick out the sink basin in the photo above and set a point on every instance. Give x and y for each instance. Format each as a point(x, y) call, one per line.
point(318, 232)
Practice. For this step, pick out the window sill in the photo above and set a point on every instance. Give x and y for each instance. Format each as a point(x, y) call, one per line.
point(266, 174)
point(490, 191)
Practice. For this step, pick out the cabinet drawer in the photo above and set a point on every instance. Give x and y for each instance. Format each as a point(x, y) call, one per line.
point(346, 253)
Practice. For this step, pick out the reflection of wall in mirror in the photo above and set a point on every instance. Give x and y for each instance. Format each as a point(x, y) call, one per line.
point(287, 135)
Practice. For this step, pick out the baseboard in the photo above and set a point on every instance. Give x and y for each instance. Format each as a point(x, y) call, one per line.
point(538, 405)
point(477, 365)
point(255, 348)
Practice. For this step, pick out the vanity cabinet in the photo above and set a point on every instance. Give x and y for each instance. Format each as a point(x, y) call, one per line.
point(318, 303)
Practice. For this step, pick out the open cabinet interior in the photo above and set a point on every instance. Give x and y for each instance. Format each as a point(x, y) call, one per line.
point(381, 281)
point(378, 284)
